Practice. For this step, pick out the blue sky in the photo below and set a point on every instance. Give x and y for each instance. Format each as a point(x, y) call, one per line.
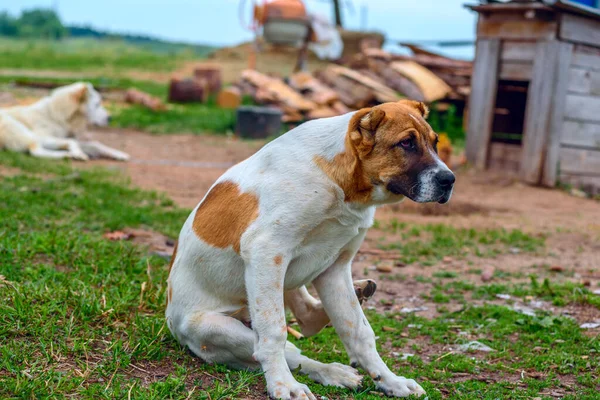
point(217, 21)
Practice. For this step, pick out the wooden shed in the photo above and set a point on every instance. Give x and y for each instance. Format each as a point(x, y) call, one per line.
point(534, 108)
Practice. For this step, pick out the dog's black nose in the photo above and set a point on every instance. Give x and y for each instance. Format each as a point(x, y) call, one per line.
point(445, 178)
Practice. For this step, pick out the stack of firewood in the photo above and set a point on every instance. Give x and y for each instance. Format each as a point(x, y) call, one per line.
point(370, 77)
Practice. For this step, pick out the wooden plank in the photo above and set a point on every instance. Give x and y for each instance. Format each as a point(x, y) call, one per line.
point(583, 107)
point(584, 81)
point(519, 29)
point(557, 112)
point(579, 161)
point(516, 71)
point(482, 100)
point(518, 51)
point(580, 134)
point(586, 57)
point(577, 29)
point(539, 105)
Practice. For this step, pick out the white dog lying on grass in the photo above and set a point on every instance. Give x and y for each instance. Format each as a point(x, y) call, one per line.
point(48, 127)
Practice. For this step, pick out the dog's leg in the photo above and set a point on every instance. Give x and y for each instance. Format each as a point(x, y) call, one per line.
point(96, 149)
point(309, 312)
point(218, 338)
point(37, 150)
point(336, 292)
point(265, 274)
point(73, 149)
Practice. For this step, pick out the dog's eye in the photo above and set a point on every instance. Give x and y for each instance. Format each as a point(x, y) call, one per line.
point(407, 143)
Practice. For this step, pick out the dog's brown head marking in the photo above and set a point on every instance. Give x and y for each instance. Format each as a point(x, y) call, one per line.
point(387, 146)
point(224, 215)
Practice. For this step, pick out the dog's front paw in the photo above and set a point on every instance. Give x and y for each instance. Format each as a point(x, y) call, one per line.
point(335, 374)
point(120, 156)
point(398, 386)
point(79, 155)
point(289, 390)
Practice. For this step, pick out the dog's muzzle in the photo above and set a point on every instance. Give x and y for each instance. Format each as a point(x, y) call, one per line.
point(445, 183)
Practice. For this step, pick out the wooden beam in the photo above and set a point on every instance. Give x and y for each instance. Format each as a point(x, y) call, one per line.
point(518, 51)
point(482, 101)
point(557, 113)
point(586, 57)
point(577, 29)
point(541, 103)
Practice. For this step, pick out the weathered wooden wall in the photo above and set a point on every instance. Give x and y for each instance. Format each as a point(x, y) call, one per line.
point(558, 53)
point(579, 155)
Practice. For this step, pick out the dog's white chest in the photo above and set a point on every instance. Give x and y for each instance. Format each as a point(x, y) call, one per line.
point(321, 248)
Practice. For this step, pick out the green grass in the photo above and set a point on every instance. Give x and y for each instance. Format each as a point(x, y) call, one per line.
point(180, 118)
point(75, 322)
point(88, 54)
point(430, 243)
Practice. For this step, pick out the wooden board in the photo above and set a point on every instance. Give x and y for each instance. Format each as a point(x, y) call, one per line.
point(557, 113)
point(579, 161)
point(432, 87)
point(586, 57)
point(543, 109)
point(515, 71)
point(584, 81)
point(583, 108)
point(481, 101)
point(518, 51)
point(578, 29)
point(580, 134)
point(382, 92)
point(518, 29)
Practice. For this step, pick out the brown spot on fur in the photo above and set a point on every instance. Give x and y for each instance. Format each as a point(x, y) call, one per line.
point(349, 324)
point(371, 156)
point(173, 256)
point(224, 216)
point(278, 259)
point(169, 294)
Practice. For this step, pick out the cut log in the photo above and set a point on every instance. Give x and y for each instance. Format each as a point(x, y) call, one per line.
point(313, 89)
point(432, 87)
point(135, 96)
point(274, 90)
point(258, 122)
point(212, 76)
point(230, 97)
point(340, 108)
point(396, 81)
point(382, 93)
point(322, 112)
point(187, 90)
point(352, 95)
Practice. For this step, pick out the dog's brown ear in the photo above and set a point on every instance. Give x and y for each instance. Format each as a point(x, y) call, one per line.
point(80, 94)
point(362, 128)
point(417, 105)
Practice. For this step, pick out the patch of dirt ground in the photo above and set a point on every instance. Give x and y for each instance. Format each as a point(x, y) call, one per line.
point(185, 166)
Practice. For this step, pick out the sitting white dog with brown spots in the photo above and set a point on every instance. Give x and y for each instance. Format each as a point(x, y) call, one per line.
point(295, 213)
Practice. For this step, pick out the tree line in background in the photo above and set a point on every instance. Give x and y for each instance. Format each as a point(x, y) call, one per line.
point(43, 23)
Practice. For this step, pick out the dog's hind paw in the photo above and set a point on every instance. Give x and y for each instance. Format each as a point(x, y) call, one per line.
point(398, 386)
point(364, 289)
point(289, 391)
point(334, 374)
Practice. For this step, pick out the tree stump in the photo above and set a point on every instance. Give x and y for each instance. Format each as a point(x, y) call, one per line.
point(212, 77)
point(258, 122)
point(187, 90)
